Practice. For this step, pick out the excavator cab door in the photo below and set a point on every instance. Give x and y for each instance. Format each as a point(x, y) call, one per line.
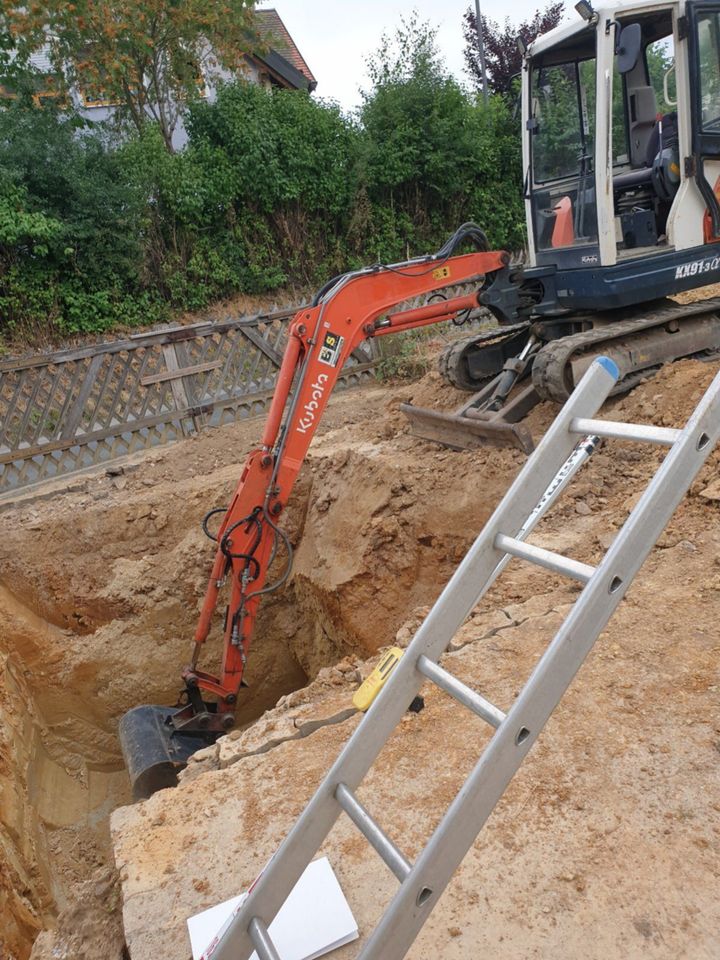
point(703, 25)
point(561, 137)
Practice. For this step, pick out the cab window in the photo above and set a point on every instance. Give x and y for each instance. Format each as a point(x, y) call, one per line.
point(709, 63)
point(564, 120)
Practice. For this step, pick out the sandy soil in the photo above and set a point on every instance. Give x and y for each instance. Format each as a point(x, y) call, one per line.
point(99, 593)
point(606, 844)
point(91, 577)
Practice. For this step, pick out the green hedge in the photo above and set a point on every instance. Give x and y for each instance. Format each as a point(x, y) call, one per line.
point(272, 189)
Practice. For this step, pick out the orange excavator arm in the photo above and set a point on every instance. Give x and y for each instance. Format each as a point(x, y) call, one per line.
point(321, 338)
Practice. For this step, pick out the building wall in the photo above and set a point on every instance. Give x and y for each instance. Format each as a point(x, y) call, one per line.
point(100, 114)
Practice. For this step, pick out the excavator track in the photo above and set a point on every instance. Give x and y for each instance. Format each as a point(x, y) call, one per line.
point(686, 330)
point(452, 362)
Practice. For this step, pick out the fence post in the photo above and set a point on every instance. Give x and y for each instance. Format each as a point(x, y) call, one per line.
point(177, 385)
point(74, 417)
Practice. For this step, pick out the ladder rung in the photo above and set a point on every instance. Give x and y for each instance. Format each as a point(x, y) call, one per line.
point(644, 432)
point(544, 558)
point(261, 940)
point(374, 835)
point(462, 693)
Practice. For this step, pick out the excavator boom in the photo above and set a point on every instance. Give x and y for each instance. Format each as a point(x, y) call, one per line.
point(157, 741)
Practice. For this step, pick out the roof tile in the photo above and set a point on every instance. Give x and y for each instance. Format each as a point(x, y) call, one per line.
point(275, 33)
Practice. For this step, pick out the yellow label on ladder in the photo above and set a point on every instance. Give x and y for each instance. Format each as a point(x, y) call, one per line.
point(370, 688)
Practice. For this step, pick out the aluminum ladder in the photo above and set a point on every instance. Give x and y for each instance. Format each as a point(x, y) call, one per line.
point(421, 883)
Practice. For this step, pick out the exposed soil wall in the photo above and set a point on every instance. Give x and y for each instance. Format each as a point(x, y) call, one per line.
point(99, 593)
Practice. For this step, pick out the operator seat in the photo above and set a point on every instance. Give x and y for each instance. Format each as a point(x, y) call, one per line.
point(653, 174)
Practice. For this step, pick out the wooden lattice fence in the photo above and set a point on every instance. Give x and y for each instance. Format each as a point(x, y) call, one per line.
point(72, 409)
point(65, 411)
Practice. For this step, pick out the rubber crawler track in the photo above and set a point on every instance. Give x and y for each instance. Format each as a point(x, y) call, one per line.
point(551, 363)
point(451, 362)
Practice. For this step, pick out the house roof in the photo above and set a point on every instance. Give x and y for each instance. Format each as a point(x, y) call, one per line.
point(274, 32)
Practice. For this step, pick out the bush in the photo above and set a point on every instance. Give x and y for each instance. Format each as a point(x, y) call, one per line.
point(273, 188)
point(69, 241)
point(435, 156)
point(290, 166)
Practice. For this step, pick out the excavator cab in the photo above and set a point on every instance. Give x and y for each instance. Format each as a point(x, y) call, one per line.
point(621, 147)
point(645, 154)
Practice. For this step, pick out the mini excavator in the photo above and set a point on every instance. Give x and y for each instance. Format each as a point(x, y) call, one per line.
point(623, 210)
point(621, 160)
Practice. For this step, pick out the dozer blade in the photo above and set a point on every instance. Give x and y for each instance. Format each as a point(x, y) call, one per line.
point(464, 430)
point(154, 751)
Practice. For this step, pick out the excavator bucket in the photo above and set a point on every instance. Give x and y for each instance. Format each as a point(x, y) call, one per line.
point(154, 751)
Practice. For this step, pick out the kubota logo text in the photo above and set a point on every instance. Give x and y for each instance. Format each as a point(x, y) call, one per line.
point(310, 408)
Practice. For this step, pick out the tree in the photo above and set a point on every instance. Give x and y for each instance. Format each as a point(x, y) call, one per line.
point(504, 60)
point(414, 121)
point(145, 56)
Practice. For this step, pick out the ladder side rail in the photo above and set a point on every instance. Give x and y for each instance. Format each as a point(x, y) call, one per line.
point(551, 677)
point(461, 594)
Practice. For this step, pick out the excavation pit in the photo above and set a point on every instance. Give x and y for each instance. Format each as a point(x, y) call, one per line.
point(99, 592)
point(99, 595)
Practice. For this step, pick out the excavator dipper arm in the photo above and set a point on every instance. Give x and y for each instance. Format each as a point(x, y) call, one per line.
point(251, 545)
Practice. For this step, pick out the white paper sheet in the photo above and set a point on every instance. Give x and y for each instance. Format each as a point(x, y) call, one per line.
point(315, 919)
